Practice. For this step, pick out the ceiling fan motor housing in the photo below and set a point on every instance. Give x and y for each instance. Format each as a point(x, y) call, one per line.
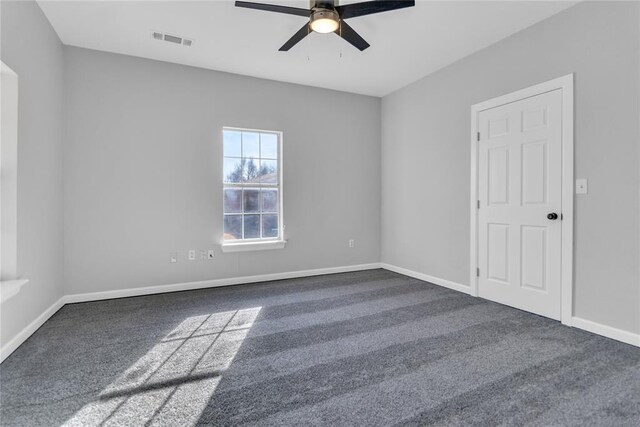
point(323, 4)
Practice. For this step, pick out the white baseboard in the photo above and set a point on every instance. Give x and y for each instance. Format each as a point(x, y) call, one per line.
point(22, 336)
point(576, 322)
point(606, 331)
point(15, 342)
point(150, 290)
point(431, 279)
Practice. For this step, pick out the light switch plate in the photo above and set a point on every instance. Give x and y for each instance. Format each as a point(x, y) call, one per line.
point(581, 186)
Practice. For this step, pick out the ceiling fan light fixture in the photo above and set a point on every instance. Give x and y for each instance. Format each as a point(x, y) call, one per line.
point(327, 16)
point(325, 21)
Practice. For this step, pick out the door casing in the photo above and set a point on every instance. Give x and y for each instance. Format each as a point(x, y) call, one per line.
point(565, 84)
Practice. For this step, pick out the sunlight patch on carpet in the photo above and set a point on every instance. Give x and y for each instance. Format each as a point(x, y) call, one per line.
point(173, 382)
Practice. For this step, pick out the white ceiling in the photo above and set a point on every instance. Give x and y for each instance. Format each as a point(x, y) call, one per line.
point(406, 44)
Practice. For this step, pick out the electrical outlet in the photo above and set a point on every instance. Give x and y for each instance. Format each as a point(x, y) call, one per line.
point(173, 257)
point(192, 254)
point(352, 243)
point(210, 254)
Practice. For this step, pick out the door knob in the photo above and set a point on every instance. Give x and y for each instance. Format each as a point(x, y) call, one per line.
point(552, 216)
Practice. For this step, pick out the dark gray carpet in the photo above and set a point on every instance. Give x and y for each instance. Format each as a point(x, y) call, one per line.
point(368, 348)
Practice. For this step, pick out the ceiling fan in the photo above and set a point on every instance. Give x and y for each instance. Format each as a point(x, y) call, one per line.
point(326, 16)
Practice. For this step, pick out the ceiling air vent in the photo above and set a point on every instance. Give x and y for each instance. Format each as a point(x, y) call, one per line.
point(171, 38)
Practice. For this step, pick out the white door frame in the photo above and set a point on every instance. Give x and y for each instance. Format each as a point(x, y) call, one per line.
point(565, 84)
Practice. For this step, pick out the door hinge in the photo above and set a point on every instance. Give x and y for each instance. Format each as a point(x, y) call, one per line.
point(477, 272)
point(478, 136)
point(478, 204)
point(561, 217)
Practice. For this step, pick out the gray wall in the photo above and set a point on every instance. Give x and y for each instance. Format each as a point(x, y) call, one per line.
point(141, 177)
point(32, 49)
point(143, 172)
point(426, 153)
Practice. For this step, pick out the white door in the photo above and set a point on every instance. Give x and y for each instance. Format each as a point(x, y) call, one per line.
point(519, 187)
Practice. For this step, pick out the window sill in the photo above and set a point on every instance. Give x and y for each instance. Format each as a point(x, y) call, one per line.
point(9, 288)
point(253, 246)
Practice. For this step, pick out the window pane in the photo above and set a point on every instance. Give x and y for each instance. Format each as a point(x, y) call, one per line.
point(269, 171)
point(251, 170)
point(251, 201)
point(251, 193)
point(269, 225)
point(232, 227)
point(269, 146)
point(232, 170)
point(251, 226)
point(269, 200)
point(232, 201)
point(232, 141)
point(251, 145)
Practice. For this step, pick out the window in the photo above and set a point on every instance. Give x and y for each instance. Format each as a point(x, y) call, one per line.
point(252, 177)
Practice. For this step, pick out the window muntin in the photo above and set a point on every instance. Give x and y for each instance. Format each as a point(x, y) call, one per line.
point(252, 174)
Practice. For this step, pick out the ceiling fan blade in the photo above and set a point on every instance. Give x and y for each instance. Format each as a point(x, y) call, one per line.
point(368, 7)
point(350, 35)
point(275, 8)
point(302, 33)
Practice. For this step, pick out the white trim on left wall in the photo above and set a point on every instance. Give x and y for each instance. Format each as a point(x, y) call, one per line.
point(22, 336)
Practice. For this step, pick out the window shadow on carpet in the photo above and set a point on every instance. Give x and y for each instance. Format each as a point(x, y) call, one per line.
point(173, 382)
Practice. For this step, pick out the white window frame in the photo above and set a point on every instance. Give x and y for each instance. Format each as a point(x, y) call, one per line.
point(262, 243)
